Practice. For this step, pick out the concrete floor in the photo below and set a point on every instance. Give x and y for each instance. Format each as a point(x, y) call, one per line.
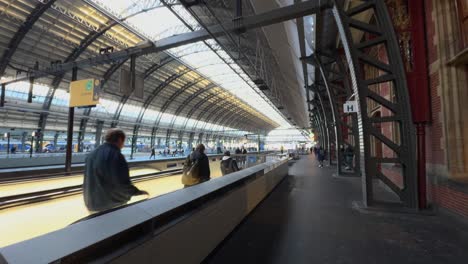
point(309, 218)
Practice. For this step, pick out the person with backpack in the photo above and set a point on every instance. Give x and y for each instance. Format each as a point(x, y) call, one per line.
point(228, 164)
point(196, 167)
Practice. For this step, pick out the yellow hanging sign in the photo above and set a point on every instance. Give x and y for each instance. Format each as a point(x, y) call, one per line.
point(84, 93)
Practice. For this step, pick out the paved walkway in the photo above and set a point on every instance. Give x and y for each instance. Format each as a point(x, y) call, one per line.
point(309, 218)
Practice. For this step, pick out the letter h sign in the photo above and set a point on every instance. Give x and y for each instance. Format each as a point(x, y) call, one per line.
point(350, 107)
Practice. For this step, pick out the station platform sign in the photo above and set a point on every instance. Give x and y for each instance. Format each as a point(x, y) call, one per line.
point(84, 93)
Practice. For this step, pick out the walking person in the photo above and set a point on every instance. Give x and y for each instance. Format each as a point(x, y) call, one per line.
point(196, 168)
point(228, 164)
point(320, 156)
point(106, 178)
point(153, 153)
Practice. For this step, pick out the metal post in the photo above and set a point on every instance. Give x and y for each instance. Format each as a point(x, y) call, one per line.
point(2, 98)
point(239, 8)
point(8, 142)
point(56, 140)
point(259, 143)
point(31, 87)
point(153, 135)
point(39, 136)
point(71, 117)
point(97, 139)
point(421, 132)
point(134, 139)
point(32, 144)
point(23, 140)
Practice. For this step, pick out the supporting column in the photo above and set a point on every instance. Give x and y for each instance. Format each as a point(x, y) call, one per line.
point(191, 138)
point(56, 135)
point(23, 140)
point(200, 138)
point(2, 96)
point(393, 71)
point(98, 135)
point(134, 140)
point(71, 119)
point(153, 136)
point(168, 139)
point(421, 132)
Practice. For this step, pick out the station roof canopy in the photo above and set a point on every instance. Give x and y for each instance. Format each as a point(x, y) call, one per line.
point(217, 81)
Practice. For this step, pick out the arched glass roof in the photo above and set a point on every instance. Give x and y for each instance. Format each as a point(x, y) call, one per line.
point(202, 58)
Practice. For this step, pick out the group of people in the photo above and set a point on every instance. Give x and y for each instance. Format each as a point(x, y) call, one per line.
point(321, 153)
point(166, 153)
point(107, 180)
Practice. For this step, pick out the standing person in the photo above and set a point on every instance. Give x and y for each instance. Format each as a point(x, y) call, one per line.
point(320, 156)
point(106, 178)
point(282, 149)
point(228, 164)
point(196, 168)
point(13, 149)
point(153, 153)
point(349, 154)
point(238, 151)
point(244, 157)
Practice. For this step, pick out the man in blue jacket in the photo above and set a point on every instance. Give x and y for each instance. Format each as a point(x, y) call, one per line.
point(107, 179)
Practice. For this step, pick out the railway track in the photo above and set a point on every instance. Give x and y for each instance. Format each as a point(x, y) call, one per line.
point(40, 196)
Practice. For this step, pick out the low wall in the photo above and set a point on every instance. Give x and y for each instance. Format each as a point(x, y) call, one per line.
point(39, 161)
point(184, 226)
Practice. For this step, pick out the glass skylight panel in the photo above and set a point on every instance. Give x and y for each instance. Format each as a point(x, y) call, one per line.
point(179, 121)
point(107, 106)
point(161, 22)
point(285, 135)
point(166, 119)
point(61, 98)
point(130, 110)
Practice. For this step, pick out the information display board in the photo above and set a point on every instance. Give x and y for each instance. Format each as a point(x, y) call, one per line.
point(84, 93)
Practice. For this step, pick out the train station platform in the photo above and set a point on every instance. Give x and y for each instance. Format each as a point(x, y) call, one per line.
point(310, 218)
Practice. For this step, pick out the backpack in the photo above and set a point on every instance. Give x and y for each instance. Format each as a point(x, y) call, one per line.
point(191, 169)
point(226, 167)
point(321, 152)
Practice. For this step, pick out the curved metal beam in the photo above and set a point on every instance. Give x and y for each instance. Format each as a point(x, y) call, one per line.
point(192, 111)
point(24, 28)
point(185, 103)
point(165, 106)
point(394, 72)
point(150, 98)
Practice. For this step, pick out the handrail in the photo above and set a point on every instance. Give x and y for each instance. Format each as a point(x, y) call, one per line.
point(39, 196)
